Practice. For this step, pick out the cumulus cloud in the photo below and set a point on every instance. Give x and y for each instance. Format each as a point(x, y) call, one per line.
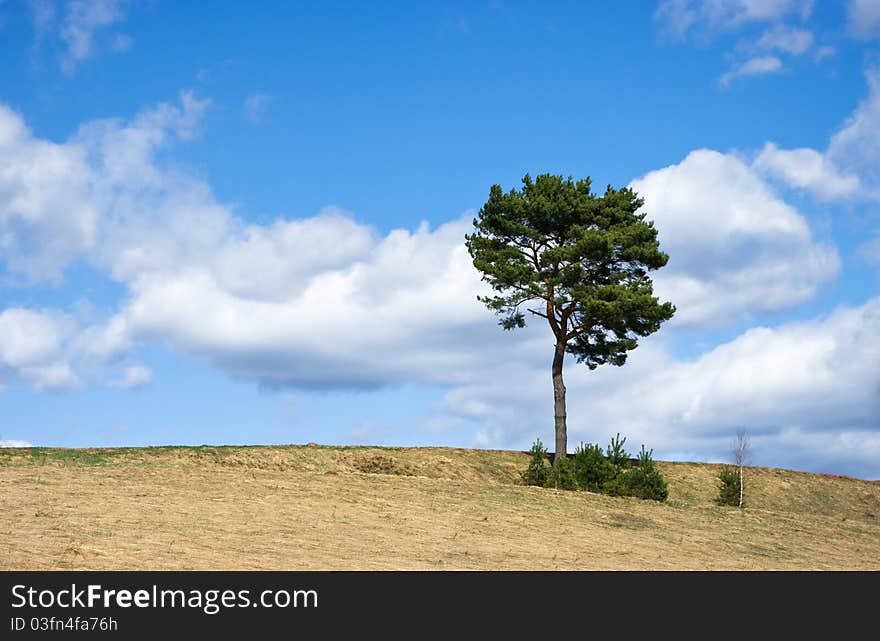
point(326, 301)
point(806, 169)
point(56, 198)
point(807, 392)
point(32, 349)
point(48, 213)
point(14, 443)
point(378, 310)
point(735, 248)
point(847, 168)
point(275, 261)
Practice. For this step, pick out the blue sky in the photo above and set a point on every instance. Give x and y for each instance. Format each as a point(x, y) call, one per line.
point(246, 225)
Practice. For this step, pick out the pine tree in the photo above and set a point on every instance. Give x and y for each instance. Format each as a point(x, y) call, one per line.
point(579, 261)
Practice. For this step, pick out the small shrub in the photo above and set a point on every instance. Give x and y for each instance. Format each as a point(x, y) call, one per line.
point(538, 472)
point(591, 469)
point(562, 475)
point(618, 456)
point(615, 486)
point(728, 486)
point(643, 481)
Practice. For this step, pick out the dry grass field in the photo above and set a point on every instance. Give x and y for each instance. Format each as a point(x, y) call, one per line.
point(365, 508)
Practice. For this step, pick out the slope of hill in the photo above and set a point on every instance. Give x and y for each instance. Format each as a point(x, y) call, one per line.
point(310, 507)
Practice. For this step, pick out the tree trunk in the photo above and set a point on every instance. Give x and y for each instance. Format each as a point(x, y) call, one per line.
point(559, 401)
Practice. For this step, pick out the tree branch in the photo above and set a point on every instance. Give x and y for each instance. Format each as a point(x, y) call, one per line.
point(565, 314)
point(575, 333)
point(551, 315)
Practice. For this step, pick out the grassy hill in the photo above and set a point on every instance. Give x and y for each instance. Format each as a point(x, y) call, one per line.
point(310, 507)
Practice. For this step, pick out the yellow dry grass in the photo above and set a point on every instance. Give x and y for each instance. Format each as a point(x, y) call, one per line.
point(298, 508)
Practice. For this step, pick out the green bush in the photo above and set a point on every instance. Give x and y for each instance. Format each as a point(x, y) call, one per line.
point(562, 475)
point(591, 469)
point(728, 486)
point(616, 455)
point(616, 486)
point(643, 481)
point(538, 472)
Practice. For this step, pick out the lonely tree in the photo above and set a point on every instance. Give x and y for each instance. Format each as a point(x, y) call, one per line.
point(557, 251)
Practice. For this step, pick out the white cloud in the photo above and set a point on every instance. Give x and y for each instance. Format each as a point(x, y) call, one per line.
point(274, 262)
point(56, 199)
point(28, 337)
point(32, 348)
point(806, 169)
point(758, 66)
point(735, 248)
point(383, 310)
point(135, 376)
point(82, 19)
point(681, 17)
point(325, 301)
point(856, 146)
point(848, 168)
point(786, 39)
point(48, 214)
point(14, 443)
point(76, 27)
point(255, 106)
point(760, 56)
point(807, 392)
point(767, 37)
point(864, 18)
point(102, 342)
point(54, 377)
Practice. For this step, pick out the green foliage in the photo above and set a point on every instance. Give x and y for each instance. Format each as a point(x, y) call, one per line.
point(562, 475)
point(538, 472)
point(582, 260)
point(643, 481)
point(591, 469)
point(618, 456)
point(728, 486)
